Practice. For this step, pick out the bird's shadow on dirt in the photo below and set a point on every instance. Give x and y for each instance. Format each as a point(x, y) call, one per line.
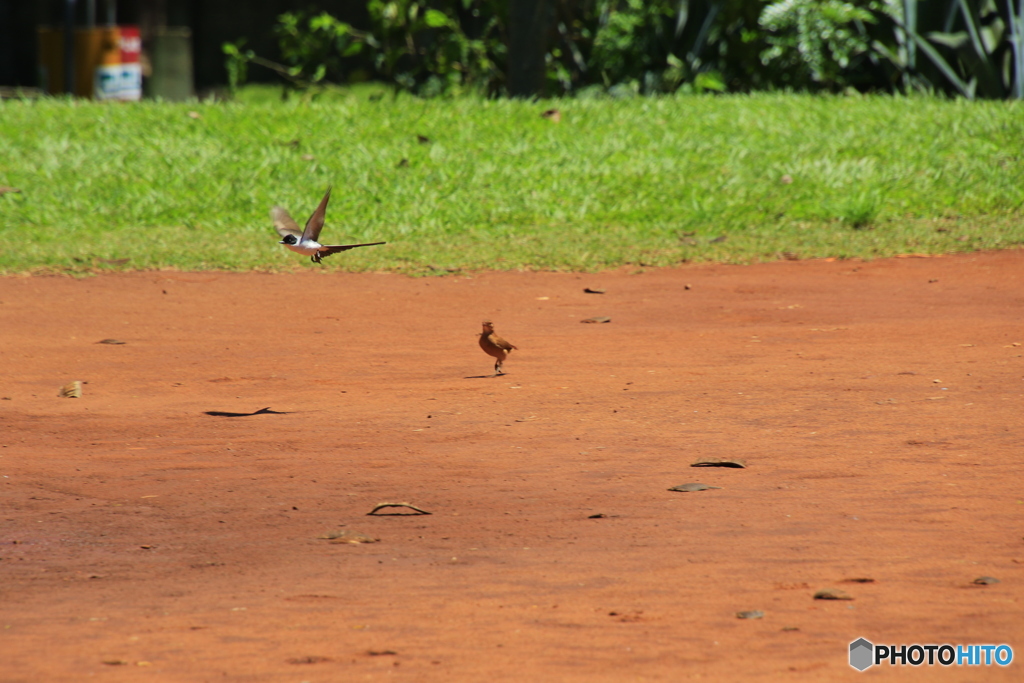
point(262, 411)
point(483, 376)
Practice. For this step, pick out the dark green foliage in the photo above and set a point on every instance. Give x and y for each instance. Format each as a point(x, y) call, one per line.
point(656, 46)
point(317, 47)
point(817, 43)
point(313, 48)
point(452, 46)
point(440, 47)
point(974, 48)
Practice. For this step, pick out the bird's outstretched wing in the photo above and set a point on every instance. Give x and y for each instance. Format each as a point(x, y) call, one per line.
point(316, 222)
point(283, 223)
point(335, 248)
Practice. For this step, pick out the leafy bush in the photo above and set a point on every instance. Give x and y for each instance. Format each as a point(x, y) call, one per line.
point(318, 48)
point(970, 47)
point(816, 41)
point(440, 47)
point(654, 46)
point(312, 48)
point(450, 46)
point(433, 47)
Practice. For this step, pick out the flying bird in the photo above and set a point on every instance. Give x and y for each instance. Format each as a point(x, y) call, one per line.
point(305, 241)
point(495, 346)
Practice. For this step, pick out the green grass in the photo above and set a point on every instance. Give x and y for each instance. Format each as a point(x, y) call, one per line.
point(647, 181)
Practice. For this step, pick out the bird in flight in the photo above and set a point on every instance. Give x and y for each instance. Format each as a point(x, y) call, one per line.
point(495, 346)
point(305, 241)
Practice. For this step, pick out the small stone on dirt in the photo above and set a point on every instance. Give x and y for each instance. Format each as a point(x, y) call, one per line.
point(312, 659)
point(986, 580)
point(348, 536)
point(71, 390)
point(597, 319)
point(687, 488)
point(750, 614)
point(832, 594)
point(593, 290)
point(113, 342)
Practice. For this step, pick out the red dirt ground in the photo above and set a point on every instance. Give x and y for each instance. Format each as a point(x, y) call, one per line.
point(878, 406)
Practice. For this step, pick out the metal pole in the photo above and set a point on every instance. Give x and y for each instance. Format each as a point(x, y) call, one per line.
point(69, 47)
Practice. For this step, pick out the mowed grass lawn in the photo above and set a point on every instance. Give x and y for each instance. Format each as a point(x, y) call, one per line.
point(494, 185)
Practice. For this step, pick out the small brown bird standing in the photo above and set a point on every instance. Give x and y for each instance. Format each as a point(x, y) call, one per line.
point(493, 345)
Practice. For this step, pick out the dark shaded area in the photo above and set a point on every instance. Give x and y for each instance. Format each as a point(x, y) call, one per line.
point(18, 42)
point(213, 22)
point(218, 21)
point(262, 411)
point(529, 22)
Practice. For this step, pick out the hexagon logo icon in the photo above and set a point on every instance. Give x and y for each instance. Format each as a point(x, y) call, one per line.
point(861, 654)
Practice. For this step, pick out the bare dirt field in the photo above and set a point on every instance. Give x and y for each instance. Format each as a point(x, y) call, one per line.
point(159, 528)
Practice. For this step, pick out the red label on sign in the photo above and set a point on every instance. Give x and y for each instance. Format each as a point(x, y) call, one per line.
point(131, 44)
